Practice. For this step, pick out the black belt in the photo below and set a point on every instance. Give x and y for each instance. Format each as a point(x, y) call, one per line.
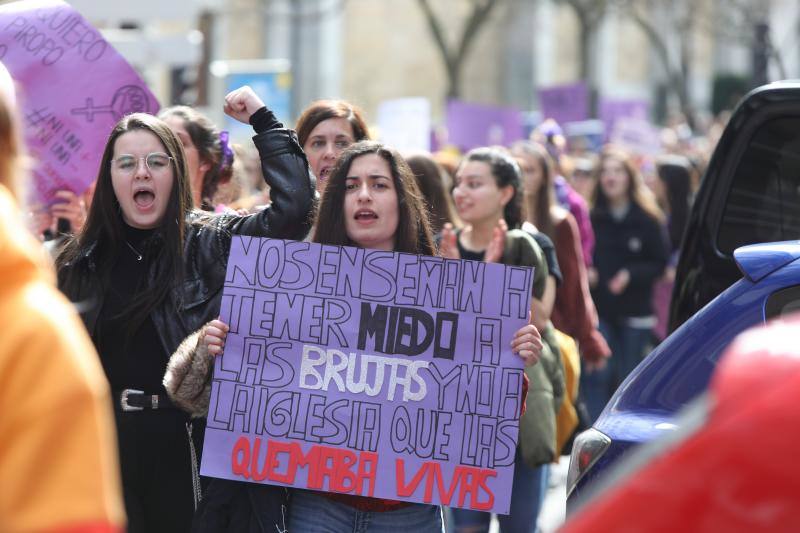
point(136, 400)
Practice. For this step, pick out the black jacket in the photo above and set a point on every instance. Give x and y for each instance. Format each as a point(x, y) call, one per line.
point(207, 243)
point(637, 243)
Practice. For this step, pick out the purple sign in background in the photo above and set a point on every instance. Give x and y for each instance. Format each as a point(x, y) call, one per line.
point(473, 125)
point(369, 373)
point(614, 109)
point(75, 87)
point(565, 103)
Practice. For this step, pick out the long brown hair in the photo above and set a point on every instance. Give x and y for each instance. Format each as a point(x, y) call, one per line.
point(104, 231)
point(413, 230)
point(538, 204)
point(322, 110)
point(638, 193)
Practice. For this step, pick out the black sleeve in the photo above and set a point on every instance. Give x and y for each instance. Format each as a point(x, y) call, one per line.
point(291, 190)
point(264, 120)
point(549, 251)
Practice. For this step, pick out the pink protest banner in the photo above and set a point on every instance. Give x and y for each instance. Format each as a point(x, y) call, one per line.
point(74, 88)
point(368, 373)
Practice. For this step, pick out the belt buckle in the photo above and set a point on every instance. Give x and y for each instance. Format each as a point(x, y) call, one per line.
point(123, 400)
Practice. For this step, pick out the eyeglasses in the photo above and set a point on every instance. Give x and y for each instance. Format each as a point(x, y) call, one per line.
point(127, 164)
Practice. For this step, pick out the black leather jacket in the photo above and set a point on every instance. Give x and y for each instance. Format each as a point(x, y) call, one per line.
point(207, 243)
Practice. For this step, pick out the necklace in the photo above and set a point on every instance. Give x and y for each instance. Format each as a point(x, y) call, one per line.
point(135, 251)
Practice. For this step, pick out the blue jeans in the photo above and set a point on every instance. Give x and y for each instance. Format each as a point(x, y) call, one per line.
point(313, 513)
point(628, 345)
point(527, 495)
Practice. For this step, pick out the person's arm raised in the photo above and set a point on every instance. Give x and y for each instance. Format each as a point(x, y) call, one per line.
point(284, 167)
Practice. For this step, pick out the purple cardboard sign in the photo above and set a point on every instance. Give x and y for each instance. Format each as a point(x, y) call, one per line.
point(473, 125)
point(637, 136)
point(369, 373)
point(614, 109)
point(75, 87)
point(565, 103)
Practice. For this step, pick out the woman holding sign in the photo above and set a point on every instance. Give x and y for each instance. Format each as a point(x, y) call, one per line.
point(147, 270)
point(371, 201)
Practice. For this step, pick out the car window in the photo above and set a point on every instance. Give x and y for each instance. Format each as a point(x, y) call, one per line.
point(783, 302)
point(763, 204)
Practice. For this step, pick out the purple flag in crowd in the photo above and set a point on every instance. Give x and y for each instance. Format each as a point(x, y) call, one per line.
point(368, 373)
point(74, 88)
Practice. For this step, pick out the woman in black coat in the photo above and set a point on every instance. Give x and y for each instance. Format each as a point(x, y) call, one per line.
point(147, 270)
point(630, 254)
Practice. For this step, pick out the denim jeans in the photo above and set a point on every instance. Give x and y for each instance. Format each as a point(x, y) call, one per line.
point(530, 486)
point(313, 513)
point(628, 345)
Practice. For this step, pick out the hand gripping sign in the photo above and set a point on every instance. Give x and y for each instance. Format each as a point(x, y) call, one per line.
point(75, 87)
point(369, 373)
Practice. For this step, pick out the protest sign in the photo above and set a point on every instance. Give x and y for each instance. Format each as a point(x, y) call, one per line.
point(75, 87)
point(636, 135)
point(565, 103)
point(369, 373)
point(615, 109)
point(472, 125)
point(586, 135)
point(405, 124)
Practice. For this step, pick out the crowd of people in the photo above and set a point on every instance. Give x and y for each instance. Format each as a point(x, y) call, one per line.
point(143, 254)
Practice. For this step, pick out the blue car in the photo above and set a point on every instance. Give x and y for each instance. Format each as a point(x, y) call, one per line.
point(645, 405)
point(727, 279)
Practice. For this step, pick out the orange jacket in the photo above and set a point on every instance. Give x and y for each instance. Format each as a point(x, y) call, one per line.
point(58, 462)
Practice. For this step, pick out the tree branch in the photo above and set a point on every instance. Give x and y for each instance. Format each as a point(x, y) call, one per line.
point(437, 33)
point(480, 12)
point(454, 60)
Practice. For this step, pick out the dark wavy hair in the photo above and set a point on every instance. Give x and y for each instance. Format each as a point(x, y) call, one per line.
point(206, 138)
point(675, 173)
point(104, 230)
point(413, 230)
point(506, 171)
point(322, 110)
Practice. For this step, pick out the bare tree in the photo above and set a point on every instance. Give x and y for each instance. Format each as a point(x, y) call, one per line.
point(453, 58)
point(669, 26)
point(745, 22)
point(590, 14)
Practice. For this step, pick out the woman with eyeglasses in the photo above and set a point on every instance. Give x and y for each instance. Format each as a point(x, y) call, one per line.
point(146, 270)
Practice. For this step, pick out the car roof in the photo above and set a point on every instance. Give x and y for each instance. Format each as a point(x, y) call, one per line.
point(756, 261)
